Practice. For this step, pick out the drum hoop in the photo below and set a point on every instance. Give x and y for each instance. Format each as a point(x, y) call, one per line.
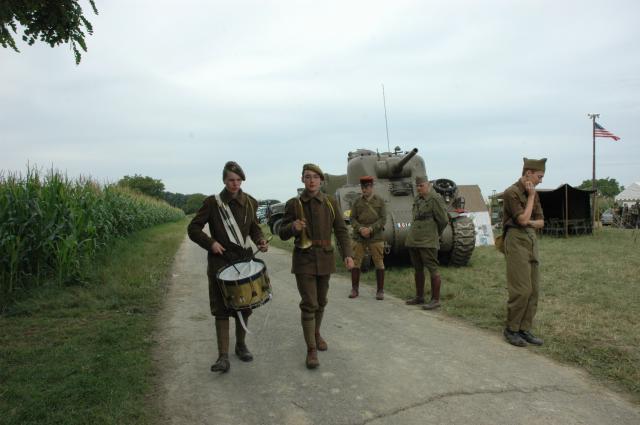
point(244, 279)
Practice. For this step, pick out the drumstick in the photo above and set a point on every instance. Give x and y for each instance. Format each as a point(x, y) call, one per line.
point(268, 240)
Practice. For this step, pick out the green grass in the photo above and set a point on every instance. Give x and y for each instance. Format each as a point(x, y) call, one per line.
point(589, 305)
point(82, 354)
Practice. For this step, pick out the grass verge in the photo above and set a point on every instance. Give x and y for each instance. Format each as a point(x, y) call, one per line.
point(82, 354)
point(590, 293)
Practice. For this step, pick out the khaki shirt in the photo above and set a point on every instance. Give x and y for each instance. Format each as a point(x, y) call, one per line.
point(243, 208)
point(514, 203)
point(368, 213)
point(323, 215)
point(429, 221)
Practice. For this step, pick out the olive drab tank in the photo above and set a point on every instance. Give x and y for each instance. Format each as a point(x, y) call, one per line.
point(394, 174)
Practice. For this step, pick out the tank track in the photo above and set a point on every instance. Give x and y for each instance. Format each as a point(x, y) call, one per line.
point(464, 241)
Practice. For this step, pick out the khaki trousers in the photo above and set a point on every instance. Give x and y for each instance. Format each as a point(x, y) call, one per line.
point(523, 276)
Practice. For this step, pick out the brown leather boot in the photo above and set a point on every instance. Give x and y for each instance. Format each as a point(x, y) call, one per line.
point(321, 344)
point(222, 335)
point(419, 280)
point(435, 294)
point(380, 284)
point(355, 282)
point(309, 331)
point(312, 358)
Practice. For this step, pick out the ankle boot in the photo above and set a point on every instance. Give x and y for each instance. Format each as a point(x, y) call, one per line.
point(380, 284)
point(321, 344)
point(435, 294)
point(419, 281)
point(222, 335)
point(241, 349)
point(355, 282)
point(312, 358)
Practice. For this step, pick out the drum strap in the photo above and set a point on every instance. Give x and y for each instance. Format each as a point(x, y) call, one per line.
point(230, 225)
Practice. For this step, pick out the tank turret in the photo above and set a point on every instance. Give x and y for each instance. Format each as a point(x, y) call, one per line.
point(394, 174)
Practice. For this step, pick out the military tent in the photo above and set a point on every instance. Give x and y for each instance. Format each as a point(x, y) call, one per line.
point(630, 195)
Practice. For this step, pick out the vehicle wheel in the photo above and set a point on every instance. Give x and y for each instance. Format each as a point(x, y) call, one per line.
point(366, 263)
point(275, 229)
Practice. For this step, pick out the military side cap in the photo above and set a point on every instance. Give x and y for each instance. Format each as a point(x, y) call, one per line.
point(314, 168)
point(421, 179)
point(234, 168)
point(366, 180)
point(534, 164)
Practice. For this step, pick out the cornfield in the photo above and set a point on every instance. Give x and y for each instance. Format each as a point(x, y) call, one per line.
point(50, 226)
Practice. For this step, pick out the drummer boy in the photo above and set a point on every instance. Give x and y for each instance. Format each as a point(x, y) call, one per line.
point(225, 247)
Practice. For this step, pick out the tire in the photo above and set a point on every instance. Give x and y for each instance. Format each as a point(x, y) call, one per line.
point(464, 241)
point(365, 266)
point(275, 229)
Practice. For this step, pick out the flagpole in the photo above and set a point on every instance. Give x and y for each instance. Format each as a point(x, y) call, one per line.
point(593, 177)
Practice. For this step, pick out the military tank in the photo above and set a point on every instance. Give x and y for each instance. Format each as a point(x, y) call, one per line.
point(395, 174)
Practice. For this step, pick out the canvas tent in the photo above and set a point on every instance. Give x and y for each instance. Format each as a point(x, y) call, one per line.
point(567, 210)
point(630, 195)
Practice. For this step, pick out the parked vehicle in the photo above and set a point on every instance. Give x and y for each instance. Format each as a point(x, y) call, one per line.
point(607, 217)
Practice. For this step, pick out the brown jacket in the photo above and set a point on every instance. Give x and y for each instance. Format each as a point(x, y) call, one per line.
point(323, 215)
point(243, 209)
point(514, 203)
point(368, 213)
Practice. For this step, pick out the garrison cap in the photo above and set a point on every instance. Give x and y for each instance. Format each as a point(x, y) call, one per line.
point(234, 168)
point(421, 179)
point(364, 180)
point(534, 164)
point(314, 168)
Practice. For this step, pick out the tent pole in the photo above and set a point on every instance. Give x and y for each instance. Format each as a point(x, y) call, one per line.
point(566, 212)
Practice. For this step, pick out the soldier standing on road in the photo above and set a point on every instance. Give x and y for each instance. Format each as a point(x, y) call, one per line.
point(368, 217)
point(310, 218)
point(222, 252)
point(522, 215)
point(429, 221)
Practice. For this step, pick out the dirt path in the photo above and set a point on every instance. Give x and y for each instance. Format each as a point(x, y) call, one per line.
point(387, 364)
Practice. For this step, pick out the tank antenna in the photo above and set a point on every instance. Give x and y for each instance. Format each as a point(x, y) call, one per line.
point(386, 124)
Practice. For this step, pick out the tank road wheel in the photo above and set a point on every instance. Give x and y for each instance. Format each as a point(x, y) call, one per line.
point(366, 263)
point(464, 241)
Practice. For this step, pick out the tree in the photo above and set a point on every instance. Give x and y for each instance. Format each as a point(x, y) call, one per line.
point(52, 21)
point(146, 185)
point(607, 187)
point(194, 202)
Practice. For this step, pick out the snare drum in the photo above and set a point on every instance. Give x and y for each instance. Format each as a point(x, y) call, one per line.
point(244, 284)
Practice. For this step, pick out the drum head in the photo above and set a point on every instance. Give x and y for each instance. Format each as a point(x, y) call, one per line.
point(241, 270)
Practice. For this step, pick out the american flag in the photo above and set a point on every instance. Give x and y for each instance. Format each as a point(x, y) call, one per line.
point(600, 131)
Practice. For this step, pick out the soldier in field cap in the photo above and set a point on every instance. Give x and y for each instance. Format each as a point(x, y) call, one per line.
point(522, 216)
point(368, 217)
point(222, 251)
point(429, 221)
point(311, 218)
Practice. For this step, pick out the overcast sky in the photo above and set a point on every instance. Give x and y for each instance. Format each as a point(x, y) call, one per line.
point(173, 90)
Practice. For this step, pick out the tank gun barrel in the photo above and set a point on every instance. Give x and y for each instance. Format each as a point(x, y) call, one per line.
point(398, 167)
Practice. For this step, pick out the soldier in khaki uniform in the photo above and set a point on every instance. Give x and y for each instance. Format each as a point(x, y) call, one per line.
point(368, 217)
point(222, 252)
point(310, 218)
point(522, 215)
point(429, 221)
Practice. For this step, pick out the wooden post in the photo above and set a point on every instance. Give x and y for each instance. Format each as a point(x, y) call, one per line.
point(566, 212)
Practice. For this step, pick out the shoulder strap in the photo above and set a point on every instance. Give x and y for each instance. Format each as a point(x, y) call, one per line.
point(230, 224)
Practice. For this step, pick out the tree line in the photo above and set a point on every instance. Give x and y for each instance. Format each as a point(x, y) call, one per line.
point(189, 203)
